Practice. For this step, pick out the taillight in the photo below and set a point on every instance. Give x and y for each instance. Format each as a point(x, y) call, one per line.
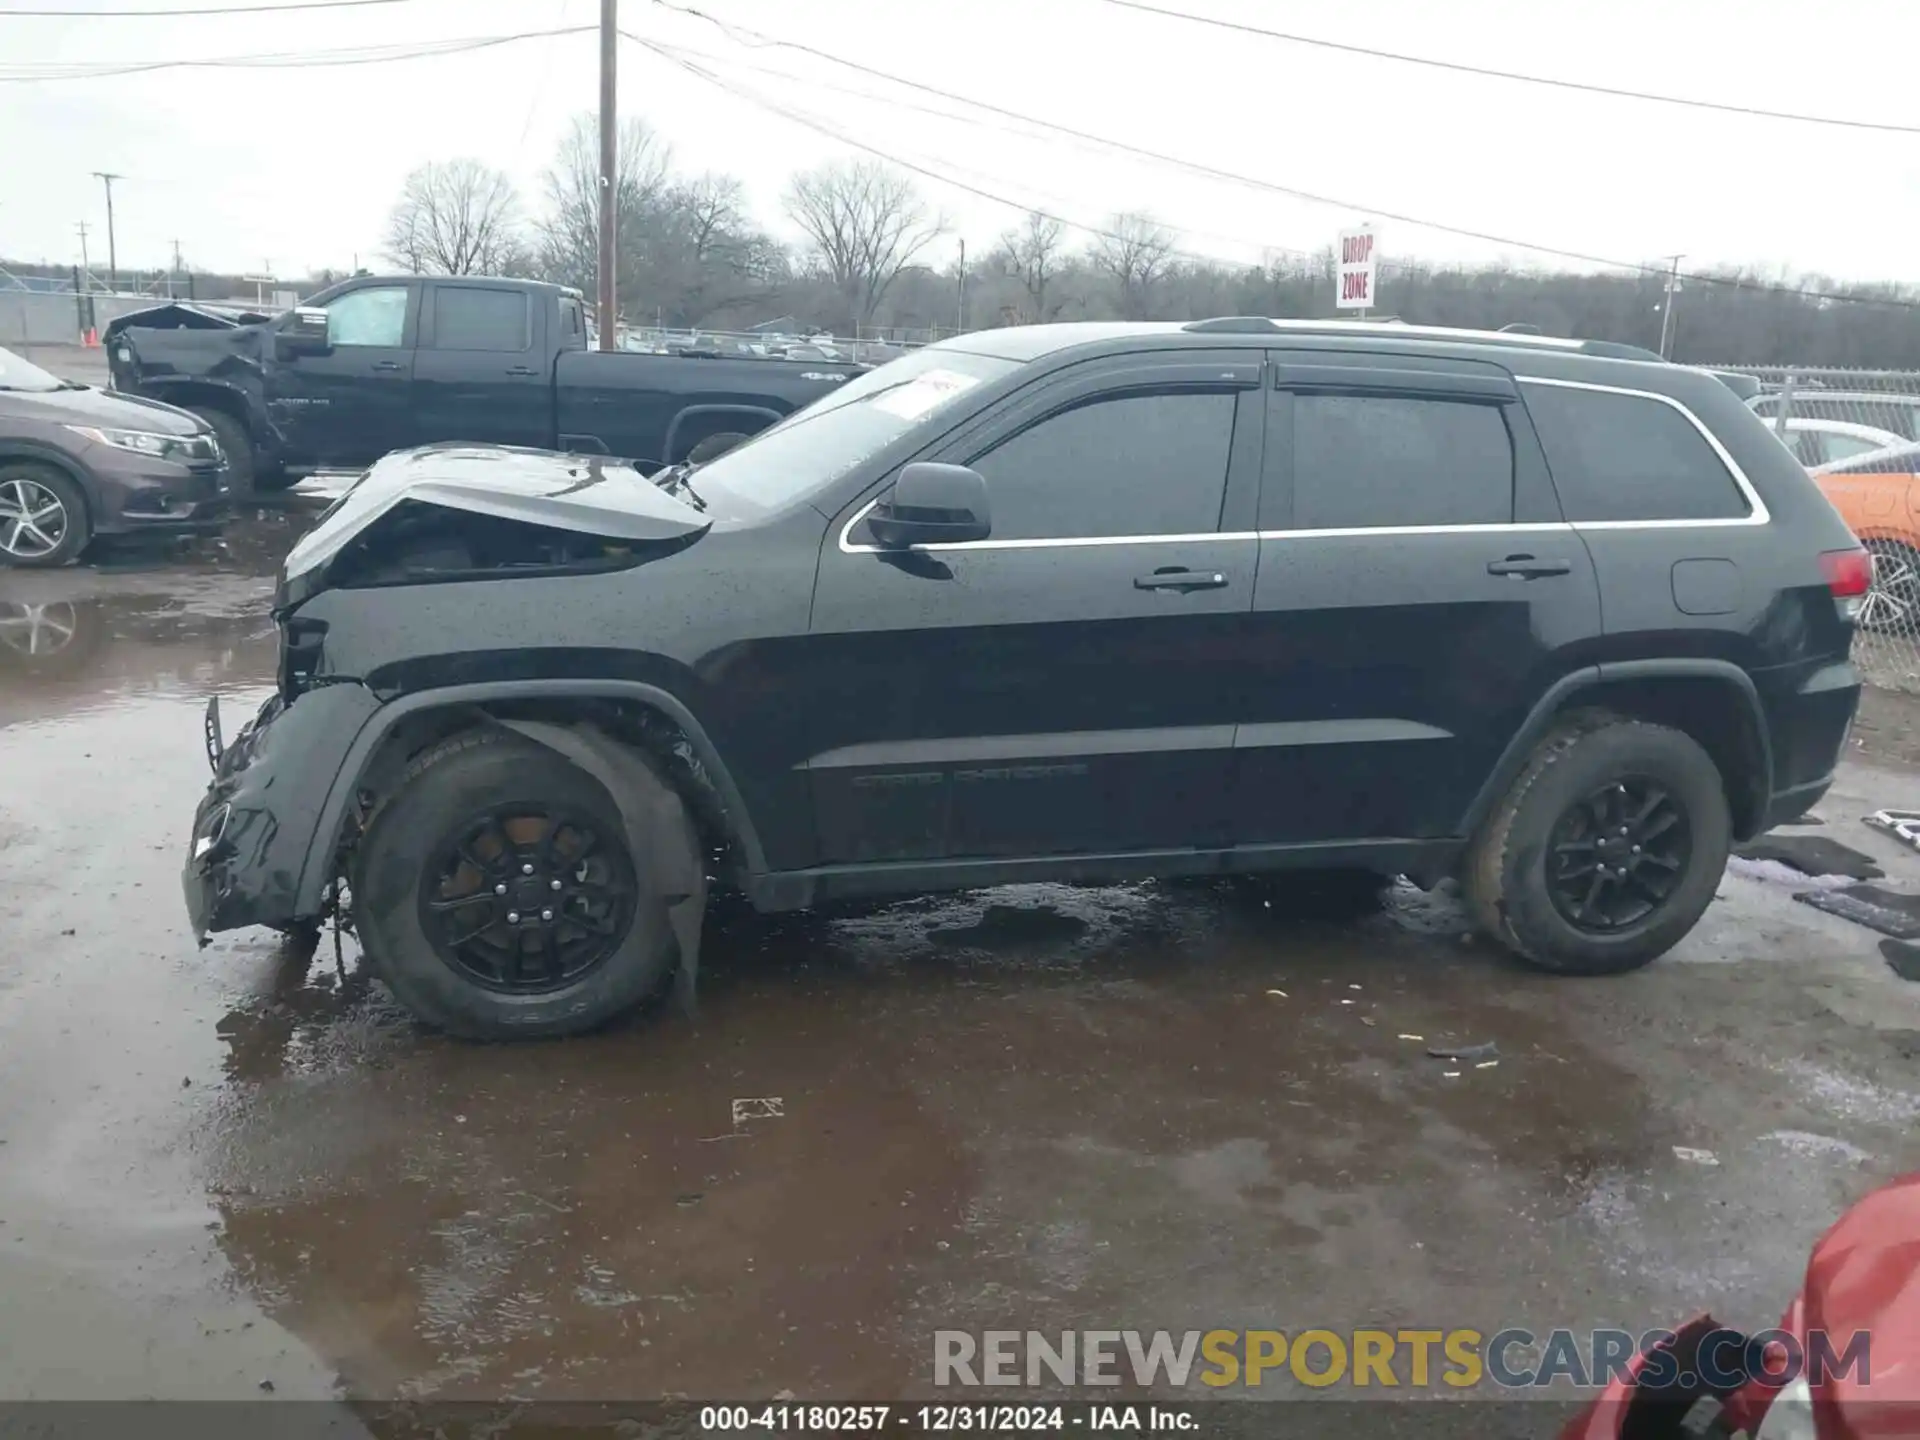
point(1848, 572)
point(1849, 576)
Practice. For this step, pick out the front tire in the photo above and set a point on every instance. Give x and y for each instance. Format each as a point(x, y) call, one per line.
point(43, 517)
point(497, 897)
point(1605, 851)
point(236, 444)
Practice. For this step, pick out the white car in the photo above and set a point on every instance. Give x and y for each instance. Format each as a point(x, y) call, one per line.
point(1827, 442)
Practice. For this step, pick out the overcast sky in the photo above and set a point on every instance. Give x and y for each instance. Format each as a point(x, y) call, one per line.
point(296, 168)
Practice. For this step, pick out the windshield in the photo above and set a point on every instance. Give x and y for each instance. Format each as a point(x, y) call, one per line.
point(816, 446)
point(18, 374)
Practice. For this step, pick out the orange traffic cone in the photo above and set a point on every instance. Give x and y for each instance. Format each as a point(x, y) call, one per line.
point(90, 340)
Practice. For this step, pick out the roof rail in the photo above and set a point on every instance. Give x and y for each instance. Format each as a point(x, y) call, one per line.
point(1614, 350)
point(1232, 325)
point(1515, 333)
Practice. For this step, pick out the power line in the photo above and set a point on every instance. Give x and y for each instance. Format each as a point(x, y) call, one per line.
point(196, 10)
point(680, 52)
point(759, 40)
point(944, 176)
point(291, 60)
point(1617, 92)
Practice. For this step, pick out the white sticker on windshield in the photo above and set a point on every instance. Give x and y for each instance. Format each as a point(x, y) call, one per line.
point(922, 393)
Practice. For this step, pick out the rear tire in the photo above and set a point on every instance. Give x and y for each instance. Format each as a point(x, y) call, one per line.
point(1551, 877)
point(236, 444)
point(43, 517)
point(401, 875)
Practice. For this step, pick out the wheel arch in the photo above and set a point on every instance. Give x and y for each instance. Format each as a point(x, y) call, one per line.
point(190, 394)
point(1712, 701)
point(33, 453)
point(698, 419)
point(659, 722)
point(1890, 534)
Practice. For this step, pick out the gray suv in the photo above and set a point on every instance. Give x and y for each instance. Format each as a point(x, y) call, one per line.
point(77, 463)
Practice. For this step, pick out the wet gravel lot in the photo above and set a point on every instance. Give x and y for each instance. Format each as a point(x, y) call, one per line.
point(1040, 1107)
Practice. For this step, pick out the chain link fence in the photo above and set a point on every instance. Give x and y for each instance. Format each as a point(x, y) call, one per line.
point(1858, 434)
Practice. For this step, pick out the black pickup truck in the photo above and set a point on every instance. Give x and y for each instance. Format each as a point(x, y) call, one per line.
point(379, 364)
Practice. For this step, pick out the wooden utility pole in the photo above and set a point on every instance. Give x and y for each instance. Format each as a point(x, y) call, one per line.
point(113, 260)
point(608, 300)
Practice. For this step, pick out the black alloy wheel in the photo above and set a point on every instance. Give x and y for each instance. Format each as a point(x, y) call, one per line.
point(527, 900)
point(1617, 854)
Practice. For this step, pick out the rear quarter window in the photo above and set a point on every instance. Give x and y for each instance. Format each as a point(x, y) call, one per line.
point(1621, 457)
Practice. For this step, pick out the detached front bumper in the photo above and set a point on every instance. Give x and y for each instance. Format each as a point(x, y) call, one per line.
point(256, 828)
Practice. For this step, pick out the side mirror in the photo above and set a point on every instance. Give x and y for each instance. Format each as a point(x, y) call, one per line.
point(303, 332)
point(932, 505)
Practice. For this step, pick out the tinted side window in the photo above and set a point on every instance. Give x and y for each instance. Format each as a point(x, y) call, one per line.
point(1624, 457)
point(469, 318)
point(1130, 465)
point(1364, 461)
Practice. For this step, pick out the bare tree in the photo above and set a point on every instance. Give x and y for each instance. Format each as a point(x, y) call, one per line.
point(569, 231)
point(456, 218)
point(710, 257)
point(1032, 253)
point(866, 223)
point(1135, 252)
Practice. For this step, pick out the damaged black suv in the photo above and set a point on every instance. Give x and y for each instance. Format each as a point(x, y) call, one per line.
point(1077, 602)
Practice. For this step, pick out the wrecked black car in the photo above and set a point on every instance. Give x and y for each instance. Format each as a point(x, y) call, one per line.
point(1071, 602)
point(373, 365)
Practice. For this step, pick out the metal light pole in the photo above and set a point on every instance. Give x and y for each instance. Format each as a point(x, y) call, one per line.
point(961, 314)
point(608, 301)
point(113, 263)
point(1666, 309)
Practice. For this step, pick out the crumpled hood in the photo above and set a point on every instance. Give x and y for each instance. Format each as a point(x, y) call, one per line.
point(591, 494)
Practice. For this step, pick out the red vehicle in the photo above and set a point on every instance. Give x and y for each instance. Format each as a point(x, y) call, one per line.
point(1863, 1278)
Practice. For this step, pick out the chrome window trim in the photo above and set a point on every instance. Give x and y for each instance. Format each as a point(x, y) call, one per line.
point(1758, 513)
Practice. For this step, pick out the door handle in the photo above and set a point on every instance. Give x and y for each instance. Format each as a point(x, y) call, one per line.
point(522, 370)
point(386, 364)
point(1525, 567)
point(1181, 579)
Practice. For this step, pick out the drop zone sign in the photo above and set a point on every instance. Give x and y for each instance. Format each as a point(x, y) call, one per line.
point(1358, 269)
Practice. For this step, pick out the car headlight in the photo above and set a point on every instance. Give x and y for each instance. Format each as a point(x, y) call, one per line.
point(145, 442)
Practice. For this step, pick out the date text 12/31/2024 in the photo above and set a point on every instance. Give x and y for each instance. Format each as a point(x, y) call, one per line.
point(945, 1419)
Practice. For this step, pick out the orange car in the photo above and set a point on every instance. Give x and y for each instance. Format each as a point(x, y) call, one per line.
point(1878, 495)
